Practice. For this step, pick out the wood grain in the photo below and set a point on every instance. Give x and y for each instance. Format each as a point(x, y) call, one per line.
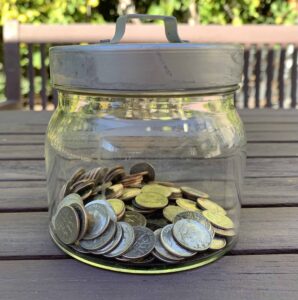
point(19, 151)
point(23, 196)
point(256, 167)
point(262, 230)
point(257, 192)
point(266, 277)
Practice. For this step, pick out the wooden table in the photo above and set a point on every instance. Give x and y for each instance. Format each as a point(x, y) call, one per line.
point(263, 265)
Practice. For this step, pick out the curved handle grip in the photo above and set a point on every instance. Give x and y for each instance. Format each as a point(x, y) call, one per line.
point(170, 24)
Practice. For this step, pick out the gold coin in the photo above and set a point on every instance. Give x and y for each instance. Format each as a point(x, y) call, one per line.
point(218, 243)
point(218, 220)
point(222, 232)
point(207, 204)
point(118, 206)
point(170, 212)
point(151, 200)
point(187, 204)
point(156, 188)
point(129, 193)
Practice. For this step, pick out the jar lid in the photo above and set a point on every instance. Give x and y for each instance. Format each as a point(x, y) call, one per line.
point(177, 67)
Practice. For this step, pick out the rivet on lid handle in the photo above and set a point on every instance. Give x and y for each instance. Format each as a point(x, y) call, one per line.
point(170, 24)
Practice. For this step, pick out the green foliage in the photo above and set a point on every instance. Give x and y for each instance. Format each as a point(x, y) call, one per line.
point(239, 12)
point(236, 12)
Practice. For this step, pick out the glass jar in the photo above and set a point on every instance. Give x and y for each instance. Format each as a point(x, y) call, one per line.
point(165, 112)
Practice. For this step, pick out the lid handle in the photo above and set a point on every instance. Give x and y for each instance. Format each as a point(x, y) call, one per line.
point(170, 24)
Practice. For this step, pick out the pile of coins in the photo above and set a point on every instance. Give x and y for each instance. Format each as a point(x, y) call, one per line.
point(134, 218)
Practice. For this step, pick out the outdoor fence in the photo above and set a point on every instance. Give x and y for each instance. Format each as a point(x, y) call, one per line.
point(270, 59)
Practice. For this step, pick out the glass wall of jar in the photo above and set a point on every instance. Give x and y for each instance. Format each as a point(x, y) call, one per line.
point(190, 141)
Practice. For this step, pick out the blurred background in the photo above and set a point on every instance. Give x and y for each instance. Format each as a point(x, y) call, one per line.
point(192, 12)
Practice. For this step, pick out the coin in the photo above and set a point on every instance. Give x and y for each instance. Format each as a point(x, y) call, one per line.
point(83, 217)
point(113, 243)
point(139, 210)
point(101, 240)
point(126, 242)
point(197, 216)
point(98, 220)
point(143, 244)
point(67, 225)
point(143, 166)
point(134, 218)
point(218, 220)
point(76, 175)
point(187, 204)
point(117, 205)
point(163, 259)
point(218, 243)
point(170, 212)
point(156, 223)
point(222, 232)
point(192, 235)
point(168, 241)
point(109, 209)
point(192, 193)
point(207, 204)
point(115, 174)
point(130, 193)
point(161, 249)
point(78, 248)
point(115, 191)
point(69, 200)
point(158, 189)
point(151, 200)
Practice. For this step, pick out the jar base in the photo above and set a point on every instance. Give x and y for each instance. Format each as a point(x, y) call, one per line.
point(197, 261)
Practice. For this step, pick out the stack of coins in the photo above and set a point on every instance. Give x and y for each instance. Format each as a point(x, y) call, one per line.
point(134, 218)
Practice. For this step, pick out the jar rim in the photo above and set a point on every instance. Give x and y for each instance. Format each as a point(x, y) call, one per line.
point(147, 93)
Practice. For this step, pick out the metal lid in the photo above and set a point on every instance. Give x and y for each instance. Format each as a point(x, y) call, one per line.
point(177, 67)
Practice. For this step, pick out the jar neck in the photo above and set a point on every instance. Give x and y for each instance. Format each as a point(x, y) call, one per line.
point(145, 108)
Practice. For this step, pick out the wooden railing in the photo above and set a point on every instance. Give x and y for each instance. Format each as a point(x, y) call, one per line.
point(263, 43)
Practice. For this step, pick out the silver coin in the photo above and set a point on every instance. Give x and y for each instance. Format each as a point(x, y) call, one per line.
point(78, 248)
point(192, 235)
point(113, 243)
point(126, 242)
point(168, 241)
point(67, 225)
point(108, 207)
point(143, 244)
point(69, 200)
point(163, 259)
point(100, 241)
point(197, 216)
point(160, 249)
point(98, 220)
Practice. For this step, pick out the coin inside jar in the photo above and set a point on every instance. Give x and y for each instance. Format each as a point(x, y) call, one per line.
point(171, 211)
point(192, 193)
point(218, 243)
point(143, 244)
point(218, 220)
point(192, 235)
point(187, 204)
point(98, 220)
point(207, 204)
point(101, 240)
point(67, 225)
point(162, 250)
point(112, 244)
point(171, 245)
point(134, 218)
point(141, 167)
point(126, 242)
point(151, 200)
